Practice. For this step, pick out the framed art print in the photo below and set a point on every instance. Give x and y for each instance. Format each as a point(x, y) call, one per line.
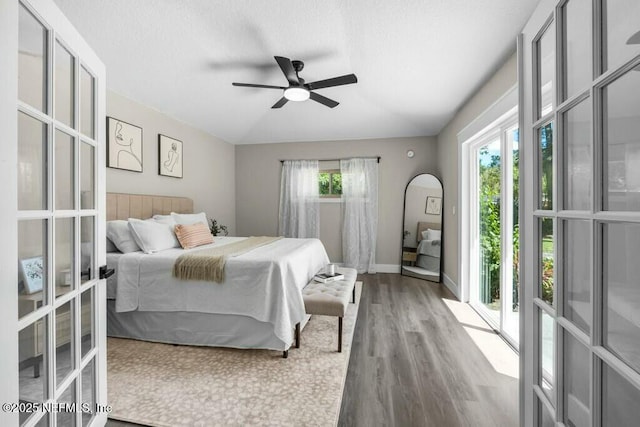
point(32, 270)
point(169, 156)
point(434, 205)
point(124, 145)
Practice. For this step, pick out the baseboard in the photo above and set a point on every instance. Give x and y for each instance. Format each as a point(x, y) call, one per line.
point(387, 268)
point(451, 285)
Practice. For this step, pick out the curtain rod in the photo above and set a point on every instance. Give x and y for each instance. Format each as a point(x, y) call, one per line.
point(334, 160)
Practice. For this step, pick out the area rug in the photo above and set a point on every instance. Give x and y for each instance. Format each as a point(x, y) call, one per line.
point(165, 385)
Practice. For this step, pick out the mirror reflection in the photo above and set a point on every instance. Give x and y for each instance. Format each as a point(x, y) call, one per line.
point(422, 238)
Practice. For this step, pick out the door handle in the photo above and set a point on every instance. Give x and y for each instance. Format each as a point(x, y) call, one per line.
point(105, 272)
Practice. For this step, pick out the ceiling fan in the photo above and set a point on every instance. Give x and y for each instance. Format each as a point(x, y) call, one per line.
point(298, 89)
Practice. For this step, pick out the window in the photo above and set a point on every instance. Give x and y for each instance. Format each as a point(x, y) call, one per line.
point(330, 183)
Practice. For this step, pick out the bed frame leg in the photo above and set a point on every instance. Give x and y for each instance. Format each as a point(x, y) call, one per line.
point(339, 334)
point(353, 295)
point(285, 354)
point(298, 335)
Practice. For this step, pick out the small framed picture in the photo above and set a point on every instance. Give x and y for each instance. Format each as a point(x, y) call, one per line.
point(124, 145)
point(169, 156)
point(434, 205)
point(32, 270)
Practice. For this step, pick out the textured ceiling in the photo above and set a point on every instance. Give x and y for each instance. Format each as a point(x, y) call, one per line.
point(417, 61)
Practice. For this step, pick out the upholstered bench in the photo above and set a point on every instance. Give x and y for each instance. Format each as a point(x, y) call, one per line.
point(330, 299)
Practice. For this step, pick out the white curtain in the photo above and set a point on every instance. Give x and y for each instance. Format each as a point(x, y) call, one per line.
point(299, 209)
point(360, 213)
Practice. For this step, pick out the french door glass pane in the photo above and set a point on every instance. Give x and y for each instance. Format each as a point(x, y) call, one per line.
point(577, 169)
point(546, 58)
point(87, 398)
point(86, 321)
point(64, 341)
point(489, 190)
point(32, 60)
point(32, 163)
point(87, 254)
point(622, 143)
point(547, 353)
point(577, 400)
point(87, 178)
point(577, 272)
point(577, 22)
point(622, 33)
point(32, 258)
point(32, 346)
point(621, 327)
point(64, 171)
point(545, 165)
point(546, 245)
point(63, 73)
point(512, 317)
point(67, 418)
point(87, 102)
point(619, 400)
point(64, 238)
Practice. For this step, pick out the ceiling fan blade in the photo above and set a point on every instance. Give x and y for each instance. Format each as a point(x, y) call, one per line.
point(280, 103)
point(336, 81)
point(254, 85)
point(287, 68)
point(323, 100)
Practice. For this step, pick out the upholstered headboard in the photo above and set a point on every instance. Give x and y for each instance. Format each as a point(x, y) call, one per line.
point(422, 226)
point(125, 206)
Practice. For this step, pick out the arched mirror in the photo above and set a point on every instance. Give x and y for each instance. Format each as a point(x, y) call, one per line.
point(422, 238)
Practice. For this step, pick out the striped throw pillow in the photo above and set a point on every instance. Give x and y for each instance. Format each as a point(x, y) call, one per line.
point(193, 235)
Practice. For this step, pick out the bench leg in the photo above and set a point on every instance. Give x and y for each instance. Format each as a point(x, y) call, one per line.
point(297, 335)
point(339, 334)
point(353, 295)
point(285, 354)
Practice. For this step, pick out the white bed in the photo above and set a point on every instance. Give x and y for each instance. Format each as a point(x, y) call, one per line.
point(257, 306)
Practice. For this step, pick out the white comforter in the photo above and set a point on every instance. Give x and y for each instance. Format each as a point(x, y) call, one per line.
point(264, 284)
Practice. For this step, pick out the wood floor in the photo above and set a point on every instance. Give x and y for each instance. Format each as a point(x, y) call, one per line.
point(414, 364)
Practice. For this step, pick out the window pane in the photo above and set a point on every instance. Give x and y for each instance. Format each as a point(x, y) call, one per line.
point(87, 398)
point(577, 401)
point(546, 249)
point(64, 171)
point(86, 321)
point(546, 51)
point(64, 341)
point(545, 165)
point(87, 176)
point(622, 143)
point(577, 21)
point(32, 163)
point(67, 418)
point(336, 183)
point(621, 245)
point(63, 73)
point(87, 99)
point(32, 64)
point(577, 273)
point(87, 235)
point(33, 375)
point(547, 354)
point(577, 170)
point(325, 183)
point(622, 32)
point(619, 400)
point(32, 260)
point(64, 238)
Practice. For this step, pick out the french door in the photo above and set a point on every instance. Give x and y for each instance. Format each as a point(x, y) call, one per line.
point(494, 226)
point(581, 126)
point(57, 303)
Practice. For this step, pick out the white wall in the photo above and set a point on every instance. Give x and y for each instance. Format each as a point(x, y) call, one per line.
point(208, 168)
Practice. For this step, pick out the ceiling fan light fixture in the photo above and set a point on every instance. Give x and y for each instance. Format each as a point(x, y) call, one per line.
point(296, 94)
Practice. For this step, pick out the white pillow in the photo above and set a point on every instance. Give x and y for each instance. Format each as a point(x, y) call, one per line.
point(118, 232)
point(111, 247)
point(153, 236)
point(188, 219)
point(165, 219)
point(434, 234)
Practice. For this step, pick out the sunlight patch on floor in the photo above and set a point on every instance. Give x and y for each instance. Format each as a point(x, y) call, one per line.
point(499, 354)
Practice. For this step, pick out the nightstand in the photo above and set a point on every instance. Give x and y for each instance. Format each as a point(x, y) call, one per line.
point(409, 255)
